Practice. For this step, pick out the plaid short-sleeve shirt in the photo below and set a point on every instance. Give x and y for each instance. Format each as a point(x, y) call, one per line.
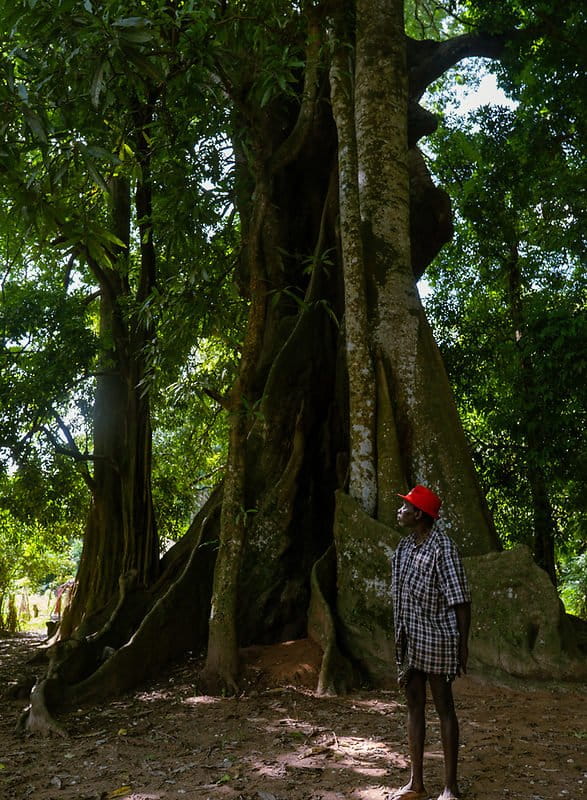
point(428, 580)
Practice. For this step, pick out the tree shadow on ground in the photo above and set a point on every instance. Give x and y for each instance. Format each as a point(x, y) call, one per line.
point(279, 740)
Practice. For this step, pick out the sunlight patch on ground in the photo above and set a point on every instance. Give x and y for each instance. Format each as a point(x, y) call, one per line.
point(369, 757)
point(155, 696)
point(270, 769)
point(380, 706)
point(370, 793)
point(434, 755)
point(201, 700)
point(370, 749)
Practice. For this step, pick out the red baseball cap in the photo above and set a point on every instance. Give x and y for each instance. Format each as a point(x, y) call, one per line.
point(423, 498)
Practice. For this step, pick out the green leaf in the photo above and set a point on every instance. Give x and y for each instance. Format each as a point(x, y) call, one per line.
point(101, 153)
point(97, 177)
point(97, 252)
point(92, 169)
point(110, 237)
point(134, 29)
point(146, 66)
point(35, 124)
point(131, 22)
point(97, 84)
point(138, 37)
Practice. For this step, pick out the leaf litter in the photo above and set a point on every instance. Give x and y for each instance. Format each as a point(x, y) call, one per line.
point(281, 741)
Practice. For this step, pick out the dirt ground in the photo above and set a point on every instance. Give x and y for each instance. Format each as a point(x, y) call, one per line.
point(281, 741)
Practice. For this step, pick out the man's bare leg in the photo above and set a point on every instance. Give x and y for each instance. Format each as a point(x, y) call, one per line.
point(416, 700)
point(449, 731)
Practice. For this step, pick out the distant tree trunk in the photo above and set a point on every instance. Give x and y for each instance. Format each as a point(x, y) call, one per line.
point(544, 524)
point(121, 534)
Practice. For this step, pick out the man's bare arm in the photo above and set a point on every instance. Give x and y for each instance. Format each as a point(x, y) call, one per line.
point(463, 612)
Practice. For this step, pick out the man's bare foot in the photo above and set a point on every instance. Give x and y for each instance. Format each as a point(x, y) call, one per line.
point(408, 793)
point(449, 794)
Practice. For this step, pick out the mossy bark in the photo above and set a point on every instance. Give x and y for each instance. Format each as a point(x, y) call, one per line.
point(518, 625)
point(359, 358)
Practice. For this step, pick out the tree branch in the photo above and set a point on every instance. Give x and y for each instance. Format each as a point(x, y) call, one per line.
point(293, 144)
point(72, 450)
point(428, 59)
point(222, 400)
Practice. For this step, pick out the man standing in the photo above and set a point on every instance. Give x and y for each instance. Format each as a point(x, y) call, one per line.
point(432, 613)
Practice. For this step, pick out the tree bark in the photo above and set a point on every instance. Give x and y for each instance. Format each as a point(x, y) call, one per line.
point(121, 533)
point(431, 447)
point(221, 670)
point(544, 524)
point(359, 360)
point(145, 630)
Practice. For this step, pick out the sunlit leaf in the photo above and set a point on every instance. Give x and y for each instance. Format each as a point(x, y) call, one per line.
point(120, 792)
point(97, 84)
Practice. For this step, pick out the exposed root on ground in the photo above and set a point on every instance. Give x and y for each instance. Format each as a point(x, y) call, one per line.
point(36, 718)
point(125, 651)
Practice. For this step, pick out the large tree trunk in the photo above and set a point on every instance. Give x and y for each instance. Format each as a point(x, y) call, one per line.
point(221, 670)
point(261, 487)
point(121, 535)
point(359, 357)
point(430, 445)
point(301, 446)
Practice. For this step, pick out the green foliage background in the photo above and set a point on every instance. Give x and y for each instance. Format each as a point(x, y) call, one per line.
point(74, 72)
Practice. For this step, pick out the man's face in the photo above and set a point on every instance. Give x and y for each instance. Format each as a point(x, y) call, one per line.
point(407, 515)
